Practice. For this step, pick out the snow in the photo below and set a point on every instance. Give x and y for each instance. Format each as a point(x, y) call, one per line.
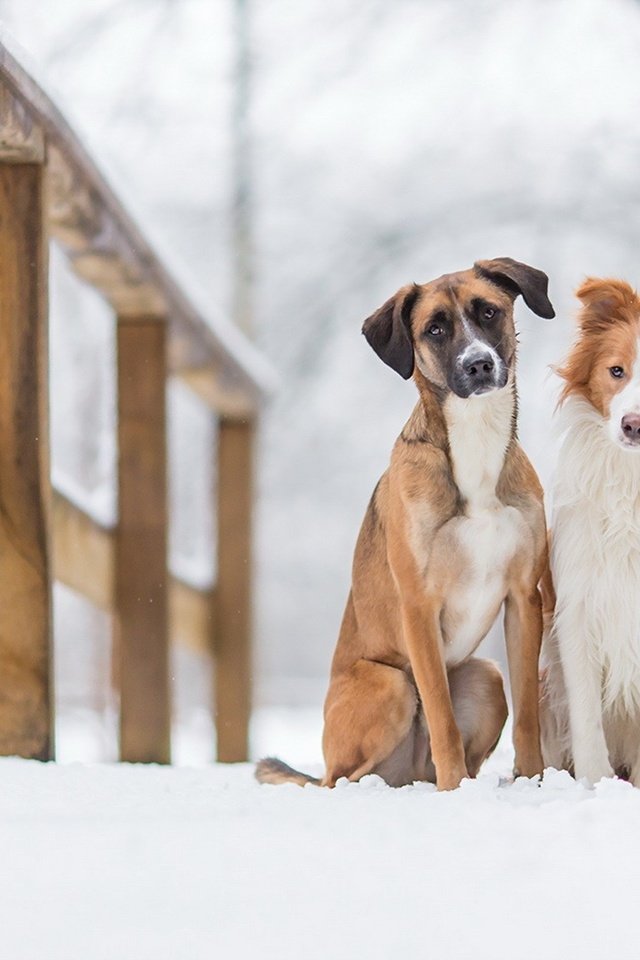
point(153, 863)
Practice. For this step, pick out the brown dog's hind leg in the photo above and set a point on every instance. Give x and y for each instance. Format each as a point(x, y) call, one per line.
point(368, 714)
point(480, 708)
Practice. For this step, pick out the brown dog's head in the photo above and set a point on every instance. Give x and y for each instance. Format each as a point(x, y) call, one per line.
point(458, 330)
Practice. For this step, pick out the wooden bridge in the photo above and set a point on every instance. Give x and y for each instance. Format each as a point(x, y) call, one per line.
point(51, 188)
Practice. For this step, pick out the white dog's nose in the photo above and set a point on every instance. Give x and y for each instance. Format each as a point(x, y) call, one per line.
point(631, 427)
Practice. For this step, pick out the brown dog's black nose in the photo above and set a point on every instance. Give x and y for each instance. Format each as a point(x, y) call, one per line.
point(478, 365)
point(631, 427)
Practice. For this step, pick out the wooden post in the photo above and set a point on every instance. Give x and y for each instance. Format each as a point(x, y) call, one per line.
point(233, 590)
point(26, 709)
point(141, 543)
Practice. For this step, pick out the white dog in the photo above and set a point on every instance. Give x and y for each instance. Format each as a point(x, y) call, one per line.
point(590, 712)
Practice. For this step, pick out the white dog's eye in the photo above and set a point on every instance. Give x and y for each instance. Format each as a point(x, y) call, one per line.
point(616, 372)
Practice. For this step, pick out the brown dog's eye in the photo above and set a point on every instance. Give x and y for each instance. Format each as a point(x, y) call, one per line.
point(616, 372)
point(434, 330)
point(488, 313)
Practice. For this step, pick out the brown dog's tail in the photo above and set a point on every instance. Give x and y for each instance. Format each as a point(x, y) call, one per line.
point(272, 770)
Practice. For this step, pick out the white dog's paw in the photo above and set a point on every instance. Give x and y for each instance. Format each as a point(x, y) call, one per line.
point(593, 769)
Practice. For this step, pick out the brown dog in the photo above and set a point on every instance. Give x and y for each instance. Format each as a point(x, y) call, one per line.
point(455, 528)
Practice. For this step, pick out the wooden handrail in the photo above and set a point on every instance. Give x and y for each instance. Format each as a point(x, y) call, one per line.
point(107, 249)
point(83, 553)
point(51, 187)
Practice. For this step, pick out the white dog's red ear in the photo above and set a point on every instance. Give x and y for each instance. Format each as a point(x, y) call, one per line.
point(388, 330)
point(603, 299)
point(515, 278)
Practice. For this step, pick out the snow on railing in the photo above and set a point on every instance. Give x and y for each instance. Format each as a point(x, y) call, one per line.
point(51, 188)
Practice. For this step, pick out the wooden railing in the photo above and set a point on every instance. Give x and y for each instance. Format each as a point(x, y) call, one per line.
point(51, 188)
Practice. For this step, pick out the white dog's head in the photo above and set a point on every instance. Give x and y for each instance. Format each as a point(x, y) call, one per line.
point(603, 366)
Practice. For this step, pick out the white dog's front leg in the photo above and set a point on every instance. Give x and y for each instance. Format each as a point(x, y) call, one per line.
point(583, 679)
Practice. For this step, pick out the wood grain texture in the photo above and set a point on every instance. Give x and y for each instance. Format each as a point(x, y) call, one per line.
point(191, 617)
point(141, 544)
point(233, 589)
point(21, 140)
point(218, 393)
point(83, 552)
point(26, 727)
point(84, 560)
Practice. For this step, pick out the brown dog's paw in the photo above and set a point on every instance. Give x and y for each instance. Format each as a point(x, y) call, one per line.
point(529, 767)
point(451, 779)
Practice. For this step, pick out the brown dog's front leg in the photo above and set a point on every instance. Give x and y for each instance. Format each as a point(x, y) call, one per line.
point(523, 631)
point(421, 624)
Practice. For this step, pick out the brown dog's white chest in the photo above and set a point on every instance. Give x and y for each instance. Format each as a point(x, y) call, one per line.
point(486, 545)
point(471, 557)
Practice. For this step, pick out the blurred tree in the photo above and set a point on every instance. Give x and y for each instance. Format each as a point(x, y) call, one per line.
point(242, 239)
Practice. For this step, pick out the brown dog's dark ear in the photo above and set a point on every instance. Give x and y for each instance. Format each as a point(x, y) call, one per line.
point(388, 330)
point(515, 278)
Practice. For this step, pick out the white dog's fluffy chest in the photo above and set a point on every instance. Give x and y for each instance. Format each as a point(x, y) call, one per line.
point(596, 554)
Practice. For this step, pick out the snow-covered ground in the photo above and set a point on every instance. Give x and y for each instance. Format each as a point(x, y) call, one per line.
point(100, 862)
